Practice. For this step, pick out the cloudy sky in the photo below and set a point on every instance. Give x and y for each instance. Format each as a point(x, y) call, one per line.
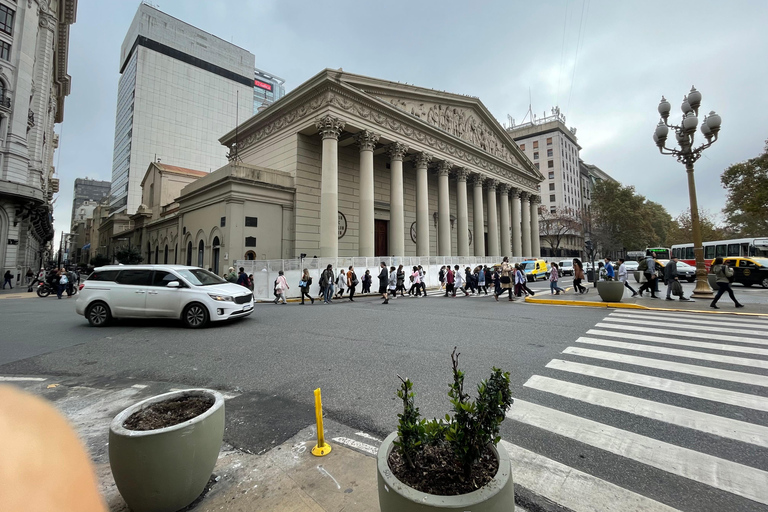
point(605, 63)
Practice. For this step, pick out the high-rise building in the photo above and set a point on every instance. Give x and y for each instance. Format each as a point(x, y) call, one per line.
point(88, 190)
point(179, 91)
point(34, 48)
point(267, 89)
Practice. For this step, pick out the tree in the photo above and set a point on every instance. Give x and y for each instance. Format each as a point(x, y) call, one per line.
point(747, 202)
point(128, 256)
point(681, 231)
point(555, 226)
point(99, 260)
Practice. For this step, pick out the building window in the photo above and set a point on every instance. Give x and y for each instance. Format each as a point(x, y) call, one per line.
point(200, 254)
point(535, 144)
point(552, 175)
point(549, 141)
point(550, 164)
point(522, 147)
point(250, 241)
point(552, 186)
point(552, 198)
point(6, 20)
point(535, 155)
point(553, 209)
point(223, 221)
point(250, 255)
point(550, 153)
point(5, 51)
point(252, 222)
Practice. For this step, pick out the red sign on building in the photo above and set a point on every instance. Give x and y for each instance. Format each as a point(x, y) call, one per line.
point(262, 85)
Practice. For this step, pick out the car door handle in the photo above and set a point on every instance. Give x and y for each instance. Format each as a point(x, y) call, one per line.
point(140, 291)
point(152, 293)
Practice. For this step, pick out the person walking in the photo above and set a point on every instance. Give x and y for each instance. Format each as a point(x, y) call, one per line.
point(610, 273)
point(383, 277)
point(326, 283)
point(352, 283)
point(449, 282)
point(7, 278)
point(62, 283)
point(281, 288)
point(519, 281)
point(423, 281)
point(623, 276)
point(231, 276)
point(30, 276)
point(367, 281)
point(671, 277)
point(441, 277)
point(459, 281)
point(506, 279)
point(496, 279)
point(469, 277)
point(393, 281)
point(416, 282)
point(341, 283)
point(554, 275)
point(481, 280)
point(648, 268)
point(242, 278)
point(304, 284)
point(722, 273)
point(578, 277)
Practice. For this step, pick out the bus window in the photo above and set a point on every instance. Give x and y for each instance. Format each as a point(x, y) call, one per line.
point(720, 251)
point(709, 252)
point(675, 252)
point(734, 250)
point(689, 254)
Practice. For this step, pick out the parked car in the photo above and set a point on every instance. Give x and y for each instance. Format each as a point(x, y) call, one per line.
point(686, 271)
point(631, 266)
point(191, 294)
point(566, 267)
point(749, 271)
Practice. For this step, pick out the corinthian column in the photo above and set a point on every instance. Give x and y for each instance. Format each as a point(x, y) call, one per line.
point(396, 215)
point(526, 211)
point(443, 210)
point(367, 142)
point(422, 204)
point(506, 249)
point(478, 224)
point(330, 128)
point(535, 248)
point(462, 215)
point(517, 237)
point(493, 224)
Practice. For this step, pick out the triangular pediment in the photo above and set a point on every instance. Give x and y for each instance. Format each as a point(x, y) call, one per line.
point(464, 117)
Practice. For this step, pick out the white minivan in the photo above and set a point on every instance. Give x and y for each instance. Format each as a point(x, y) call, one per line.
point(191, 294)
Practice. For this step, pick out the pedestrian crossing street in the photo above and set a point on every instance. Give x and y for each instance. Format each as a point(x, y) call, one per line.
point(681, 399)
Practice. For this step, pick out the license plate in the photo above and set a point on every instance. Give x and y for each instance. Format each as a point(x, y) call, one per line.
point(247, 307)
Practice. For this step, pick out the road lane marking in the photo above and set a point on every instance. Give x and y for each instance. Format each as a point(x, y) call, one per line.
point(690, 354)
point(725, 475)
point(685, 343)
point(682, 417)
point(695, 317)
point(673, 366)
point(697, 327)
point(139, 386)
point(22, 379)
point(629, 313)
point(687, 334)
point(573, 489)
point(724, 396)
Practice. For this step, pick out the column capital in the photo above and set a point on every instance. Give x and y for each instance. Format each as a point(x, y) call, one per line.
point(524, 195)
point(535, 198)
point(491, 184)
point(504, 188)
point(478, 180)
point(461, 174)
point(397, 150)
point(422, 160)
point(366, 140)
point(330, 127)
point(444, 168)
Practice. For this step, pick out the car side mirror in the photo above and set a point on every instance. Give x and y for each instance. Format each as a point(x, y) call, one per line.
point(173, 284)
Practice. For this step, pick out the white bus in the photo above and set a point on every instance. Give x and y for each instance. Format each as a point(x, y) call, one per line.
point(744, 247)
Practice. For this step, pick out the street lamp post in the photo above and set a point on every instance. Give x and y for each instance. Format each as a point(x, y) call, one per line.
point(686, 154)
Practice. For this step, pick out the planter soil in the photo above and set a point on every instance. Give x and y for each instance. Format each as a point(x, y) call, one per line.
point(168, 413)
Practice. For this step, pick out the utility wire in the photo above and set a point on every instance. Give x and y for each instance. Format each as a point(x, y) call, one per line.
point(576, 58)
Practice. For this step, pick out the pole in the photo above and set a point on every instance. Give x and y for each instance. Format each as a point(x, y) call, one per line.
point(321, 448)
point(702, 289)
point(58, 260)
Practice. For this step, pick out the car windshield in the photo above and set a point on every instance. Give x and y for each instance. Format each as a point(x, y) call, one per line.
point(686, 266)
point(200, 277)
point(530, 265)
point(763, 262)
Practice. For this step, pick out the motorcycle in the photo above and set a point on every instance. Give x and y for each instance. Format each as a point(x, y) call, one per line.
point(44, 289)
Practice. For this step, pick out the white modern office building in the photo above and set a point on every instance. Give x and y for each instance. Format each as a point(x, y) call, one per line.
point(180, 89)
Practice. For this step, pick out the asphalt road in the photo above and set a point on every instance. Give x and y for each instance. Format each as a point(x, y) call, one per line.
point(354, 352)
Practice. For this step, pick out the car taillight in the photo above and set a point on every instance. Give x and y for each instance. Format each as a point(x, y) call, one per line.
point(81, 286)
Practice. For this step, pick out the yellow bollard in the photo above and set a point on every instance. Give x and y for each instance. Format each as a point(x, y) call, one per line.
point(321, 448)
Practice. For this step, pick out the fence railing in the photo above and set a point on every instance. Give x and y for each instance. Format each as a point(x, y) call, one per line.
point(266, 271)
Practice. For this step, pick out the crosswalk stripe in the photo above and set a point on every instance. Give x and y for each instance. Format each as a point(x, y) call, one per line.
point(685, 343)
point(726, 475)
point(689, 354)
point(699, 321)
point(673, 366)
point(724, 396)
point(688, 334)
point(574, 489)
point(698, 316)
point(698, 327)
point(701, 421)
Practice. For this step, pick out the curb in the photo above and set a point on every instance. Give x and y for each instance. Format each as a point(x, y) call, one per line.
point(621, 305)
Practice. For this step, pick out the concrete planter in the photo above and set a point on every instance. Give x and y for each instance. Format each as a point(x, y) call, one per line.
point(166, 469)
point(394, 496)
point(610, 291)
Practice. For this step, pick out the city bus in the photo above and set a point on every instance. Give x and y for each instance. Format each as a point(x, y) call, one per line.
point(744, 247)
point(659, 253)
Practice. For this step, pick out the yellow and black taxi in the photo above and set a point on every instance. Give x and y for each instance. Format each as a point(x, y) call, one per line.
point(535, 269)
point(749, 271)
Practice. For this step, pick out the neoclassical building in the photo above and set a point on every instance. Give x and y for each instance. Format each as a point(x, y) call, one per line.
point(389, 169)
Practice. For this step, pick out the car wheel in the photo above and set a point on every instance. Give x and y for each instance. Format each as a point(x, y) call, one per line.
point(195, 315)
point(764, 282)
point(98, 314)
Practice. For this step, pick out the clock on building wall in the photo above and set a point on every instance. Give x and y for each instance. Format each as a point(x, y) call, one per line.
point(342, 225)
point(413, 232)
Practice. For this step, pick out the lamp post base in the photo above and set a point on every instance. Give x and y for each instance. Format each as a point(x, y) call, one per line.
point(702, 290)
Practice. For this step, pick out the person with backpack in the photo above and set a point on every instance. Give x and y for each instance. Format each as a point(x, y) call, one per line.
point(723, 274)
point(352, 283)
point(281, 288)
point(304, 284)
point(648, 267)
point(242, 278)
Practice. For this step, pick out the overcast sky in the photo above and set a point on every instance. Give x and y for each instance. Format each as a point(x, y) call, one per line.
point(605, 63)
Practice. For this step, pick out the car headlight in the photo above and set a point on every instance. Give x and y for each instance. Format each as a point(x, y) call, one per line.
point(222, 298)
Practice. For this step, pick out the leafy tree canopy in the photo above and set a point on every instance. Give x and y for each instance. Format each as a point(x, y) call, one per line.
point(746, 207)
point(128, 256)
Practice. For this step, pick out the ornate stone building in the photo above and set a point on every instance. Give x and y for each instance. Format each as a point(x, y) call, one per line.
point(34, 43)
point(383, 169)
